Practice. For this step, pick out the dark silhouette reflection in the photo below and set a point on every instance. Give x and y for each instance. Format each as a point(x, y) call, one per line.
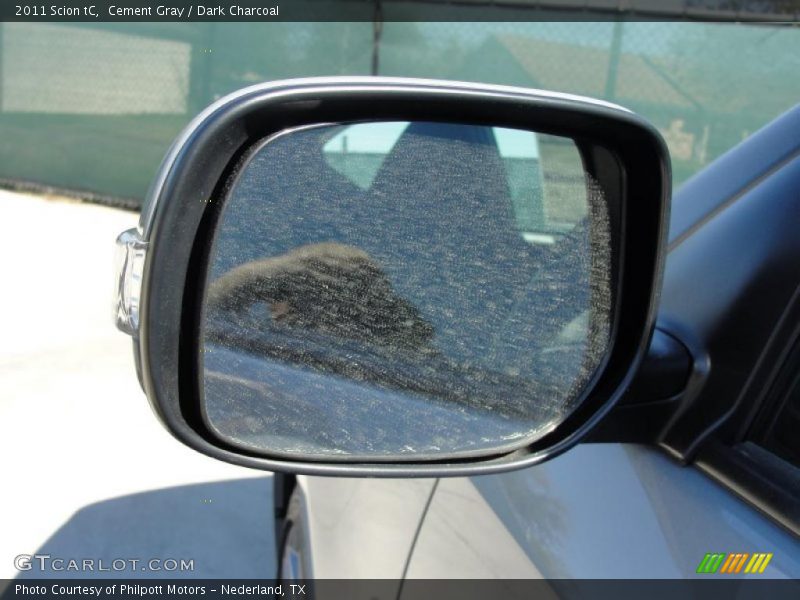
point(329, 288)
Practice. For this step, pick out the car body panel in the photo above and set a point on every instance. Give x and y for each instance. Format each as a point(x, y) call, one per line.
point(360, 528)
point(598, 511)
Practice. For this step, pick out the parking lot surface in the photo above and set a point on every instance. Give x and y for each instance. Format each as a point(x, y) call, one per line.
point(89, 474)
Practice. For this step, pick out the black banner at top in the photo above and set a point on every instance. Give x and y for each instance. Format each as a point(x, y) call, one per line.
point(784, 11)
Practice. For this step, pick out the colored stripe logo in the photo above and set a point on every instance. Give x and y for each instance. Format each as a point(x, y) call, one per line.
point(734, 562)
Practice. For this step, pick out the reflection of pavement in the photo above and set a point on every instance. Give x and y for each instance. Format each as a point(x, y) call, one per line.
point(262, 403)
point(76, 432)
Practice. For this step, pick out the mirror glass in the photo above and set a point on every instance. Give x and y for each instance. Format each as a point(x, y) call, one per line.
point(404, 291)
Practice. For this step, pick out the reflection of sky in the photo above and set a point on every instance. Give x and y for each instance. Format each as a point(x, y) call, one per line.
point(515, 143)
point(380, 138)
point(369, 138)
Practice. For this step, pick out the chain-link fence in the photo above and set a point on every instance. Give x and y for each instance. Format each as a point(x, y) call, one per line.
point(94, 107)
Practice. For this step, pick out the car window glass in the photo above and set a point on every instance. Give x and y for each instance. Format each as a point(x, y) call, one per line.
point(776, 426)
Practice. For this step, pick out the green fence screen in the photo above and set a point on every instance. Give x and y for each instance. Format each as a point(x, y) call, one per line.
point(93, 107)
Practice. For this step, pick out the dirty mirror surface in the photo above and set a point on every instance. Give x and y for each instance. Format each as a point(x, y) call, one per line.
point(397, 290)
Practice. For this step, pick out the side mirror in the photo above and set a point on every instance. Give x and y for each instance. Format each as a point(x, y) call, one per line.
point(369, 276)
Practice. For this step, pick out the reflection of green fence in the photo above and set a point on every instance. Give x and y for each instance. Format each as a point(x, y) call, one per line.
point(94, 107)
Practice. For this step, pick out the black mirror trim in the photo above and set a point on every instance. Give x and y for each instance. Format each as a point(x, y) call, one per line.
point(184, 202)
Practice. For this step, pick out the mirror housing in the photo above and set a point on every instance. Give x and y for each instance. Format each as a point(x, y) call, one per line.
point(165, 262)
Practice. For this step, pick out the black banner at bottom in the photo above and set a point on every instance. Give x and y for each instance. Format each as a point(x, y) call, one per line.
point(412, 589)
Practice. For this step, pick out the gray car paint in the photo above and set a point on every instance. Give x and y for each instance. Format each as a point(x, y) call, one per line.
point(597, 511)
point(359, 528)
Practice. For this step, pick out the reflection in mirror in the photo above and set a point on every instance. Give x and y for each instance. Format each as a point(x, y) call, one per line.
point(391, 291)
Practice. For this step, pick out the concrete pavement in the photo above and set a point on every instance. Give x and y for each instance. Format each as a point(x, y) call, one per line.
point(88, 472)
